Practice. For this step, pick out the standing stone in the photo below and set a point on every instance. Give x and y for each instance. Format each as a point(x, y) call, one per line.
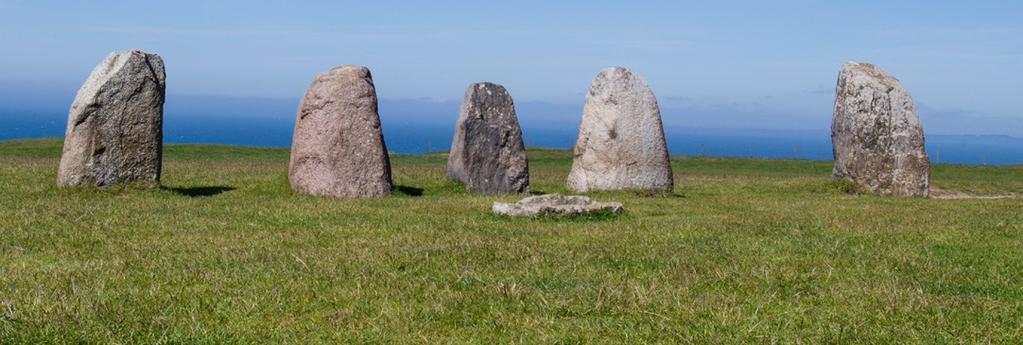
point(487, 153)
point(876, 135)
point(338, 147)
point(621, 140)
point(115, 125)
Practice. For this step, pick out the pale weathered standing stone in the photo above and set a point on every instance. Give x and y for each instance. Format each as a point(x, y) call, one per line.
point(487, 153)
point(621, 139)
point(876, 135)
point(115, 125)
point(338, 147)
point(556, 204)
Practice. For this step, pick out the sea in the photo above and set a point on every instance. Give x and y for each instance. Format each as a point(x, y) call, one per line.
point(405, 134)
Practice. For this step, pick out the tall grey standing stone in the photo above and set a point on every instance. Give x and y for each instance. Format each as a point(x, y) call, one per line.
point(876, 135)
point(487, 153)
point(338, 147)
point(621, 139)
point(115, 125)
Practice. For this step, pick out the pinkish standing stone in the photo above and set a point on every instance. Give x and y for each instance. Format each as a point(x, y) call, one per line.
point(338, 148)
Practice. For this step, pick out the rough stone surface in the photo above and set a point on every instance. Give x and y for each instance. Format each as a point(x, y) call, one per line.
point(487, 153)
point(555, 204)
point(621, 140)
point(876, 135)
point(115, 125)
point(338, 147)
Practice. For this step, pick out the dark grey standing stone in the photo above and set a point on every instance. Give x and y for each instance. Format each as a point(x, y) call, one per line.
point(876, 135)
point(338, 147)
point(115, 125)
point(621, 140)
point(487, 153)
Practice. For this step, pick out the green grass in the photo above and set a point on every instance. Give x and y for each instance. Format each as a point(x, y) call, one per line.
point(743, 251)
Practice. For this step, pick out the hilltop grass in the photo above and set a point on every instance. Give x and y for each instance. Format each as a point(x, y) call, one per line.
point(743, 251)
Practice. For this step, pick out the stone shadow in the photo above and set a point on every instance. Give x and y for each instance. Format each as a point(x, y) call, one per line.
point(408, 191)
point(197, 192)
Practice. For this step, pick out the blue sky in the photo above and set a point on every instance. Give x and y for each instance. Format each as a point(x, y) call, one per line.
point(766, 63)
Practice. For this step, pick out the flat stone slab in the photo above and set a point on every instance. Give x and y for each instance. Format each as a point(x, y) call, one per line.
point(556, 204)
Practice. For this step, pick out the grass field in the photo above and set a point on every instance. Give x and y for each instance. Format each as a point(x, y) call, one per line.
point(743, 251)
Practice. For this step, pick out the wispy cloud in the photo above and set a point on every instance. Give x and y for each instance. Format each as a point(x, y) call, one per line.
point(821, 90)
point(245, 32)
point(964, 44)
point(654, 44)
point(402, 32)
point(959, 121)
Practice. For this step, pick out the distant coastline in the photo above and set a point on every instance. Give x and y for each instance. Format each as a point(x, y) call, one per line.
point(404, 136)
point(417, 126)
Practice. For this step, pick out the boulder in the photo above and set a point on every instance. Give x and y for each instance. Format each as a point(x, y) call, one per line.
point(876, 135)
point(338, 147)
point(115, 125)
point(487, 153)
point(621, 143)
point(555, 204)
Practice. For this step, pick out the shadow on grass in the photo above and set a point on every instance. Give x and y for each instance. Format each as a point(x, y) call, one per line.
point(408, 191)
point(196, 192)
point(604, 195)
point(655, 194)
point(672, 195)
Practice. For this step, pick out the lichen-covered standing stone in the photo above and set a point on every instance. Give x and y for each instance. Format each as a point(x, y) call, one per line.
point(876, 135)
point(621, 143)
point(338, 147)
point(115, 125)
point(487, 153)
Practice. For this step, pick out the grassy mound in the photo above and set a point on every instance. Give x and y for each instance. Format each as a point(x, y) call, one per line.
point(743, 251)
